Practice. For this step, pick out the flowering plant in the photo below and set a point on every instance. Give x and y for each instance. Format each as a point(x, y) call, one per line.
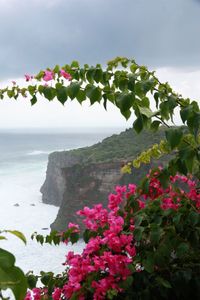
point(145, 245)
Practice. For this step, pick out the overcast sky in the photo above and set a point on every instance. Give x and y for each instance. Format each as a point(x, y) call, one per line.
point(34, 34)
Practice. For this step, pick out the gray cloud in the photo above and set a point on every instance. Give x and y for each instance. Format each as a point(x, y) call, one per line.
point(35, 34)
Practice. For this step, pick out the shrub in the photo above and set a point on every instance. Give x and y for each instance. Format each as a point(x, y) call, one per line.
point(145, 245)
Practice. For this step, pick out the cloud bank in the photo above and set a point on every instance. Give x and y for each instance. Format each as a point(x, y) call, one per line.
point(159, 33)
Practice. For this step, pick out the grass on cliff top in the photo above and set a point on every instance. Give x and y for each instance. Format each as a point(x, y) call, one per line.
point(119, 147)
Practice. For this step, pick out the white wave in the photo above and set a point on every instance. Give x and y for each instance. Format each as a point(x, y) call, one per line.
point(38, 152)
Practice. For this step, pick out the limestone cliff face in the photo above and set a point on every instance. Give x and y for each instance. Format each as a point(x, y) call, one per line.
point(72, 184)
point(54, 186)
point(85, 185)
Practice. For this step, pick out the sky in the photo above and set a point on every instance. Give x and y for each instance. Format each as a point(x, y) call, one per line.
point(35, 34)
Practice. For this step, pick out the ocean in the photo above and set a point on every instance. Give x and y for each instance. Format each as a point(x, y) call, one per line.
point(23, 164)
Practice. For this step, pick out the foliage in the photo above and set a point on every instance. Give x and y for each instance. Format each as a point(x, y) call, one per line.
point(123, 147)
point(131, 88)
point(11, 276)
point(146, 245)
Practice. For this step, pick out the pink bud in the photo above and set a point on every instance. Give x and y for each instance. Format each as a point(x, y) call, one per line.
point(28, 77)
point(65, 74)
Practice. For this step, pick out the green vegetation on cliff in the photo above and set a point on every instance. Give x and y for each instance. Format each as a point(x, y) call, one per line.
point(119, 147)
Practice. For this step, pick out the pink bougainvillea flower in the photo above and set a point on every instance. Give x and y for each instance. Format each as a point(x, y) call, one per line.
point(74, 226)
point(28, 77)
point(36, 293)
point(28, 296)
point(48, 75)
point(66, 75)
point(56, 294)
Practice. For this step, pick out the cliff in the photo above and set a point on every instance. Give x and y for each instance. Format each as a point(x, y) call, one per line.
point(87, 175)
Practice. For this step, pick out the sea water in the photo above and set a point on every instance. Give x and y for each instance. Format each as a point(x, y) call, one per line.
point(23, 164)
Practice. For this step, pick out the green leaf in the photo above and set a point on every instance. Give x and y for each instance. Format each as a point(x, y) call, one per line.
point(164, 110)
point(123, 84)
point(14, 279)
point(111, 293)
point(167, 107)
point(145, 102)
point(179, 166)
point(93, 93)
point(19, 234)
point(193, 218)
point(10, 93)
point(193, 123)
point(32, 89)
point(32, 281)
point(56, 240)
point(131, 83)
point(138, 124)
point(62, 94)
point(7, 259)
point(133, 68)
point(188, 155)
point(125, 101)
point(73, 89)
point(163, 282)
point(74, 237)
point(40, 89)
point(75, 64)
point(155, 125)
point(56, 69)
point(126, 114)
point(138, 233)
point(46, 278)
point(149, 263)
point(146, 111)
point(86, 236)
point(90, 74)
point(147, 85)
point(174, 137)
point(76, 75)
point(182, 249)
point(177, 218)
point(33, 100)
point(98, 75)
point(81, 96)
point(155, 234)
point(40, 239)
point(186, 112)
point(138, 220)
point(156, 97)
point(49, 92)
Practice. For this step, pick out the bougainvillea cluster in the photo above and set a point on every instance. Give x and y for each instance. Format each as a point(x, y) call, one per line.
point(49, 75)
point(118, 237)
